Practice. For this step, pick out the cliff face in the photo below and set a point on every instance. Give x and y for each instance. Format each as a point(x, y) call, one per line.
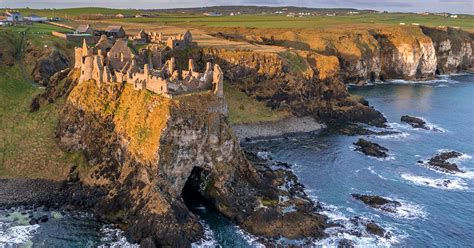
point(404, 52)
point(410, 57)
point(149, 153)
point(454, 49)
point(302, 82)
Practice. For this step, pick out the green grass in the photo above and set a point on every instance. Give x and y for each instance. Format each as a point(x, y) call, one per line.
point(36, 28)
point(311, 22)
point(76, 12)
point(27, 141)
point(295, 62)
point(245, 110)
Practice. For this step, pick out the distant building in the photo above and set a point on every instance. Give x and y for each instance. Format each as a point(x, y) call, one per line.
point(115, 31)
point(212, 14)
point(35, 18)
point(4, 22)
point(84, 29)
point(55, 19)
point(119, 16)
point(14, 16)
point(453, 16)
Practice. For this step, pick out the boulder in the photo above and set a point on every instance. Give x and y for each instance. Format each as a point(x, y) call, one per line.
point(371, 149)
point(43, 218)
point(33, 221)
point(440, 161)
point(415, 122)
point(378, 202)
point(375, 229)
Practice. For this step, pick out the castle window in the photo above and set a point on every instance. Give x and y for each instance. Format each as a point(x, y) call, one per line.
point(121, 57)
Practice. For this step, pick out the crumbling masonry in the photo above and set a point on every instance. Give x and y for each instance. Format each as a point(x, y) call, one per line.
point(119, 65)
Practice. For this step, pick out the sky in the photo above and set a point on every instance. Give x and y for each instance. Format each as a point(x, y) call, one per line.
point(452, 6)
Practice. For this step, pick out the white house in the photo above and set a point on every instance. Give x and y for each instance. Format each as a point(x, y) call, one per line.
point(14, 16)
point(35, 18)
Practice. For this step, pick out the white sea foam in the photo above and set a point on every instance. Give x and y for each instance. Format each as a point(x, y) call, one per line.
point(335, 238)
point(407, 210)
point(441, 86)
point(468, 173)
point(377, 174)
point(395, 136)
point(208, 240)
point(439, 183)
point(355, 232)
point(114, 238)
point(264, 155)
point(405, 126)
point(12, 236)
point(251, 240)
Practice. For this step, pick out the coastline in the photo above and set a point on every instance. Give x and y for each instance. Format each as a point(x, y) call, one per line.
point(29, 192)
point(287, 126)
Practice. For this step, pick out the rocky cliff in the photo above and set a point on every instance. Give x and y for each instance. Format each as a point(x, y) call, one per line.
point(404, 52)
point(150, 155)
point(303, 82)
point(454, 49)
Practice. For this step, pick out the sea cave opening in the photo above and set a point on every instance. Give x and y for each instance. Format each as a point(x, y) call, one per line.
point(192, 192)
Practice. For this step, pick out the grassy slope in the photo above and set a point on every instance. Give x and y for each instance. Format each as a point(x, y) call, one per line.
point(244, 109)
point(27, 145)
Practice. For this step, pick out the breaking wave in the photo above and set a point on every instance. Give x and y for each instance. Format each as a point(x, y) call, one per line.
point(114, 238)
point(439, 183)
point(404, 126)
point(348, 230)
point(13, 236)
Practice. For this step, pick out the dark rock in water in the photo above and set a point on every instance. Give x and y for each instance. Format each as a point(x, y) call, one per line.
point(371, 149)
point(440, 162)
point(33, 221)
point(354, 130)
point(43, 218)
point(415, 122)
point(375, 229)
point(345, 243)
point(378, 202)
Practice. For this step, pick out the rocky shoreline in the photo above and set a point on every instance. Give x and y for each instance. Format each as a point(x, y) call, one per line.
point(30, 192)
point(291, 125)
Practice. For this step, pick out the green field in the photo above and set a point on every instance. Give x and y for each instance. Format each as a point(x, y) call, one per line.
point(312, 22)
point(35, 28)
point(76, 12)
point(260, 21)
point(27, 145)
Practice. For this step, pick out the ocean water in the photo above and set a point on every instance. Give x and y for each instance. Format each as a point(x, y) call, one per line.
point(435, 212)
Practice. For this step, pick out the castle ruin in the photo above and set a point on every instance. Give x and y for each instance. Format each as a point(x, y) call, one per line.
point(118, 64)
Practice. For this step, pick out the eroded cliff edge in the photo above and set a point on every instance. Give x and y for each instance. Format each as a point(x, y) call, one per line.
point(304, 83)
point(364, 54)
point(143, 150)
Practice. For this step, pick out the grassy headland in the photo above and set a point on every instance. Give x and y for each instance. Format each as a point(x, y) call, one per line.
point(27, 144)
